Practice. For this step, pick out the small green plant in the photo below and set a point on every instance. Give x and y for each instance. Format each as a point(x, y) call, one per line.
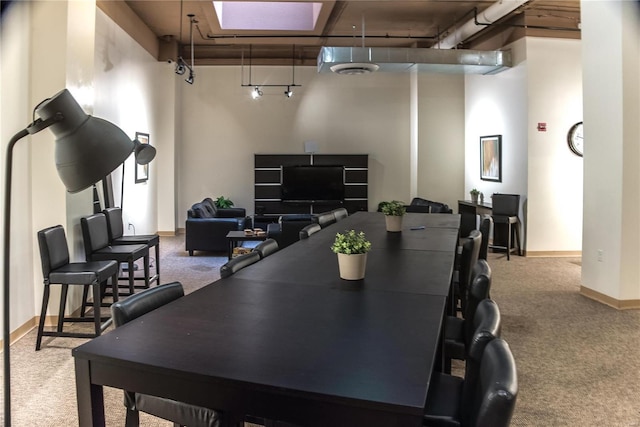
point(223, 203)
point(393, 208)
point(474, 192)
point(351, 242)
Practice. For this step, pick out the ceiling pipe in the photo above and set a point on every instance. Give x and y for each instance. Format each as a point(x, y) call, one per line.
point(492, 14)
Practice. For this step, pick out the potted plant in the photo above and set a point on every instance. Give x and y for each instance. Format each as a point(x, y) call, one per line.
point(352, 248)
point(474, 195)
point(393, 211)
point(223, 203)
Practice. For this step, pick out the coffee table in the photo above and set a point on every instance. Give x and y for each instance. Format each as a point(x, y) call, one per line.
point(239, 236)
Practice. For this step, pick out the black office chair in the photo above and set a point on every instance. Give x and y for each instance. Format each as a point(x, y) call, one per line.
point(485, 229)
point(457, 330)
point(505, 211)
point(95, 234)
point(182, 414)
point(238, 263)
point(266, 248)
point(485, 398)
point(309, 230)
point(340, 214)
point(115, 227)
point(467, 260)
point(57, 270)
point(325, 219)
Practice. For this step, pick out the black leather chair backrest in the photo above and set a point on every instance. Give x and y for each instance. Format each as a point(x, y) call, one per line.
point(325, 219)
point(143, 302)
point(487, 326)
point(115, 228)
point(340, 214)
point(496, 390)
point(478, 289)
point(54, 252)
point(485, 228)
point(505, 204)
point(266, 248)
point(238, 263)
point(309, 230)
point(94, 233)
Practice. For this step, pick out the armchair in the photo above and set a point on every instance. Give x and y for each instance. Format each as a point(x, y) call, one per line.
point(207, 226)
point(287, 230)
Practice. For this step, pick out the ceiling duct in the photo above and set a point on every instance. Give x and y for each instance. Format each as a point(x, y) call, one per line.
point(360, 60)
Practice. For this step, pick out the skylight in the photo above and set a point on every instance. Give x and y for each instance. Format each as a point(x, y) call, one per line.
point(253, 15)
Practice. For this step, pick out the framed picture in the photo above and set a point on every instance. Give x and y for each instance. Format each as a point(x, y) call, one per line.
point(142, 171)
point(491, 158)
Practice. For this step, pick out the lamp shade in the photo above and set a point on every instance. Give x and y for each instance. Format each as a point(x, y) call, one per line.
point(87, 148)
point(144, 152)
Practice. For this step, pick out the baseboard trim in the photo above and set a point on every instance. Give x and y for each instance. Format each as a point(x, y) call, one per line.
point(166, 233)
point(22, 330)
point(553, 254)
point(630, 304)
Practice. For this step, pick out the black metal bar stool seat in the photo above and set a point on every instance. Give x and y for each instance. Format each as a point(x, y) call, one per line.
point(97, 248)
point(115, 227)
point(57, 270)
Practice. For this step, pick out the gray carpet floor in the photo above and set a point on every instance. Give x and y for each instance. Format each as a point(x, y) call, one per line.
point(578, 361)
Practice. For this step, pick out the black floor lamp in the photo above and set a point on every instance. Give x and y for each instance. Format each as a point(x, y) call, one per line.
point(87, 149)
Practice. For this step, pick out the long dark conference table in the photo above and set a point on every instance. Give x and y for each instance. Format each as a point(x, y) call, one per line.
point(287, 339)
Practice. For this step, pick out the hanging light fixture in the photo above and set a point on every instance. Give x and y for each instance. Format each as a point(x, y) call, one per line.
point(256, 93)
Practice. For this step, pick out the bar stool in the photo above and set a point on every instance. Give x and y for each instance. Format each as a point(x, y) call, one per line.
point(56, 269)
point(115, 227)
point(505, 211)
point(97, 248)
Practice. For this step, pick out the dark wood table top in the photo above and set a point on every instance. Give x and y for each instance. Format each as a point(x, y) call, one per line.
point(287, 339)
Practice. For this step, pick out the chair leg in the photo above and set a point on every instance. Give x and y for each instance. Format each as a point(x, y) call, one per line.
point(146, 272)
point(508, 241)
point(132, 419)
point(158, 263)
point(43, 314)
point(85, 297)
point(97, 302)
point(114, 287)
point(518, 241)
point(131, 278)
point(63, 305)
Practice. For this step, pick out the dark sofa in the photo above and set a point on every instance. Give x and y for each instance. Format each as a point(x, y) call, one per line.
point(207, 226)
point(427, 206)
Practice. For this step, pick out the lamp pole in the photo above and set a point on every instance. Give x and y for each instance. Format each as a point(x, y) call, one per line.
point(35, 127)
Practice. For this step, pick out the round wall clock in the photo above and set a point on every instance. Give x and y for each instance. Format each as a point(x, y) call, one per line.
point(575, 139)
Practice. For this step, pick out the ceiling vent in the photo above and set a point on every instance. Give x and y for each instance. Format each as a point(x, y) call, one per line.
point(362, 60)
point(355, 68)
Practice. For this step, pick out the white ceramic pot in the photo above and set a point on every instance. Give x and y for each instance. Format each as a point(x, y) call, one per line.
point(394, 223)
point(352, 267)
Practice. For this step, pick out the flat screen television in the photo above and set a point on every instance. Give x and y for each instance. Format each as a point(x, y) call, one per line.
point(312, 183)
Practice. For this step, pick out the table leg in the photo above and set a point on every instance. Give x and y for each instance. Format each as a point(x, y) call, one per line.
point(232, 244)
point(89, 396)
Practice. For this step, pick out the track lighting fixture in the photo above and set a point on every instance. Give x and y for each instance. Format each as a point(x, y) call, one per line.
point(190, 78)
point(181, 66)
point(257, 89)
point(256, 93)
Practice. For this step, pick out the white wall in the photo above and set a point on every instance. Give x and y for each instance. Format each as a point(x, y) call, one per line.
point(611, 63)
point(497, 105)
point(131, 91)
point(544, 86)
point(222, 128)
point(554, 85)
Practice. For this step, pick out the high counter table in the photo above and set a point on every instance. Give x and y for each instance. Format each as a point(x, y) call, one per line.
point(310, 351)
